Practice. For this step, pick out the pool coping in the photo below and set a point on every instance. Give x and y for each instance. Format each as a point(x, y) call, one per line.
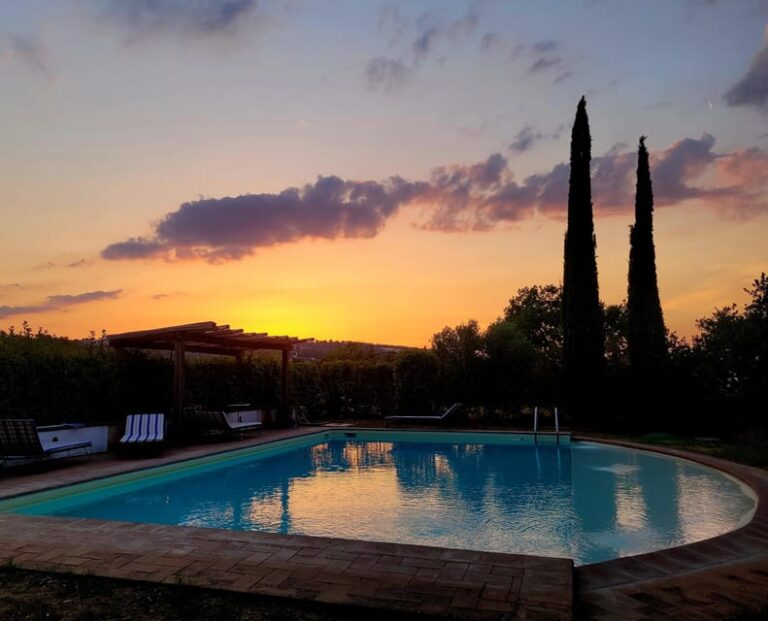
point(709, 579)
point(429, 580)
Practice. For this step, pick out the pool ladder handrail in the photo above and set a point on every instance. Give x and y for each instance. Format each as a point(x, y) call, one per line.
point(536, 424)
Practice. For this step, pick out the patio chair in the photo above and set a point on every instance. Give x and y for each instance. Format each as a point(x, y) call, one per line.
point(19, 439)
point(144, 430)
point(199, 421)
point(427, 419)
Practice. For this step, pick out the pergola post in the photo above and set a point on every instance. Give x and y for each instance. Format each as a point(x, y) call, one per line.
point(178, 377)
point(285, 388)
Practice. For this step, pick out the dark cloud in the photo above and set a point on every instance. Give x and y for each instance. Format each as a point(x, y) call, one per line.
point(545, 62)
point(165, 296)
point(752, 89)
point(527, 137)
point(433, 31)
point(425, 42)
point(139, 18)
point(27, 52)
point(490, 41)
point(540, 54)
point(56, 302)
point(545, 46)
point(232, 227)
point(80, 298)
point(133, 248)
point(387, 74)
point(80, 263)
point(477, 196)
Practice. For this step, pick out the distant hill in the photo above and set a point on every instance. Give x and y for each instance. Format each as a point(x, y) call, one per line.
point(319, 350)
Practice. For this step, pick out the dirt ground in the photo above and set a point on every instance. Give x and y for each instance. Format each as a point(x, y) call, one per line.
point(40, 596)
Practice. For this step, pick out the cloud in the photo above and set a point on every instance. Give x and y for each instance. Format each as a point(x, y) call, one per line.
point(541, 55)
point(165, 296)
point(752, 89)
point(57, 302)
point(387, 74)
point(139, 18)
point(232, 227)
point(528, 136)
point(545, 62)
point(27, 52)
point(433, 30)
point(491, 41)
point(458, 197)
point(392, 21)
point(545, 46)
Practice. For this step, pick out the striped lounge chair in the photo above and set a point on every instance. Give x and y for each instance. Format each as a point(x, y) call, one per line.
point(144, 430)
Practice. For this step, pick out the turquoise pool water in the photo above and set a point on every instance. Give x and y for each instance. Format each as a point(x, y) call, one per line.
point(493, 492)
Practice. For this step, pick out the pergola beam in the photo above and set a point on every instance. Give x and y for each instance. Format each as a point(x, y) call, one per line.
point(207, 337)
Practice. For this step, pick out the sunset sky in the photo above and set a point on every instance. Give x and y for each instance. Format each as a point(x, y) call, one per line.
point(365, 170)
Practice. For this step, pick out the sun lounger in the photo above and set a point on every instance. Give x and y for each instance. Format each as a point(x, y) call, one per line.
point(427, 419)
point(144, 430)
point(213, 421)
point(19, 439)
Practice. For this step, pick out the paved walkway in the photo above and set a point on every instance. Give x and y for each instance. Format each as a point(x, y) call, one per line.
point(453, 583)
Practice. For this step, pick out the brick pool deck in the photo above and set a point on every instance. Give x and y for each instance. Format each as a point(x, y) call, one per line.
point(419, 579)
point(711, 579)
point(706, 580)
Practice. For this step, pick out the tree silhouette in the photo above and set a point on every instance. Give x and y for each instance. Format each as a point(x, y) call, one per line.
point(583, 345)
point(646, 334)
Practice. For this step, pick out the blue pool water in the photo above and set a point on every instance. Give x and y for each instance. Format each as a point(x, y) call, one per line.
point(590, 502)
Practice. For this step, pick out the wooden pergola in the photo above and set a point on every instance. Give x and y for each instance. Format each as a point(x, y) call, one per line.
point(207, 337)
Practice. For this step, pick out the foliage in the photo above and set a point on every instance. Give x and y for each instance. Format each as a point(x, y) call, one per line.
point(729, 359)
point(646, 333)
point(583, 340)
point(514, 364)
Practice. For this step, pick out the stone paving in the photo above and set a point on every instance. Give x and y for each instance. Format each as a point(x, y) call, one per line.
point(711, 579)
point(435, 581)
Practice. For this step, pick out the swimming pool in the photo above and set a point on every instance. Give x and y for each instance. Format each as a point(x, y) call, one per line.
point(484, 491)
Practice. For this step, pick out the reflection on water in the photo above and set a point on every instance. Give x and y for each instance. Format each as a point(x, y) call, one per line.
point(583, 502)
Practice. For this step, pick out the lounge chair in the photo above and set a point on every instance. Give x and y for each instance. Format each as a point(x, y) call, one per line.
point(19, 439)
point(144, 430)
point(427, 419)
point(199, 421)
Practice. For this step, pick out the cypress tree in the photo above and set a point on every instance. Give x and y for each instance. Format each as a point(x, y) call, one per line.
point(646, 335)
point(583, 340)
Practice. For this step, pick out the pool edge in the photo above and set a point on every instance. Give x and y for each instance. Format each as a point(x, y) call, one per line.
point(728, 570)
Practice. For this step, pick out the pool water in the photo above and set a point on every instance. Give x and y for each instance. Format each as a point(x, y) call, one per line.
point(586, 501)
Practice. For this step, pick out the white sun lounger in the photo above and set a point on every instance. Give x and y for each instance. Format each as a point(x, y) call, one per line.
point(142, 429)
point(427, 419)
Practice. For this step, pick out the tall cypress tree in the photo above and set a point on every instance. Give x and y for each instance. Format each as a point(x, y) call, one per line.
point(583, 339)
point(646, 336)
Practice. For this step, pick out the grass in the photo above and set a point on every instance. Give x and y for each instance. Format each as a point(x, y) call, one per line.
point(41, 596)
point(749, 449)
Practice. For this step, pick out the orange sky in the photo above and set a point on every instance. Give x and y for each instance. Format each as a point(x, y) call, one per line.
point(451, 119)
